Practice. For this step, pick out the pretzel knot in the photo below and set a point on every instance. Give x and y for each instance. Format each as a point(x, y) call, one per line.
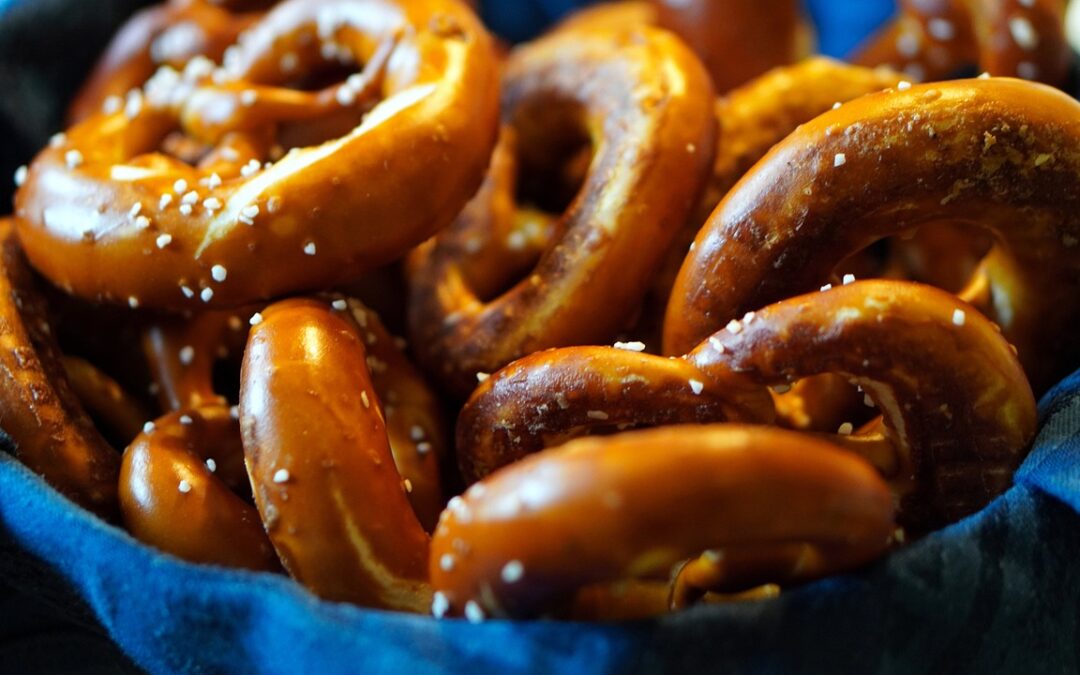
point(105, 215)
point(642, 103)
point(1000, 154)
point(958, 413)
point(631, 505)
point(173, 33)
point(935, 39)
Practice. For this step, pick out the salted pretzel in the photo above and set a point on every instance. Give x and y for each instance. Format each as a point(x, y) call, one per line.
point(995, 153)
point(958, 413)
point(105, 399)
point(753, 118)
point(182, 486)
point(334, 505)
point(182, 351)
point(934, 39)
point(172, 33)
point(644, 103)
point(630, 506)
point(550, 397)
point(412, 413)
point(52, 433)
point(737, 40)
point(105, 216)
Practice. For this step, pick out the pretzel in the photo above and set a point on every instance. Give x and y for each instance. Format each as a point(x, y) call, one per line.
point(738, 39)
point(52, 433)
point(997, 153)
point(630, 506)
point(935, 39)
point(173, 498)
point(104, 399)
point(645, 104)
point(172, 33)
point(334, 506)
point(958, 412)
point(182, 351)
point(550, 397)
point(414, 423)
point(104, 214)
point(753, 118)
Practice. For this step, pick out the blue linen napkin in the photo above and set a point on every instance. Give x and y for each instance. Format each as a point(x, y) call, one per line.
point(998, 592)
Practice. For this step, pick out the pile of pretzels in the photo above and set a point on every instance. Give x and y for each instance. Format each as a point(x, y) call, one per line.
point(831, 292)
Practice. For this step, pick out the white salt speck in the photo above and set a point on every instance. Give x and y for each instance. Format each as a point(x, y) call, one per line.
point(206, 294)
point(1024, 33)
point(903, 85)
point(473, 612)
point(187, 355)
point(255, 319)
point(184, 487)
point(512, 572)
point(631, 346)
point(20, 175)
point(148, 427)
point(218, 273)
point(73, 158)
point(482, 377)
point(958, 317)
point(439, 605)
point(186, 420)
point(446, 562)
point(340, 305)
point(309, 248)
point(840, 159)
point(845, 429)
point(211, 464)
point(696, 386)
point(281, 476)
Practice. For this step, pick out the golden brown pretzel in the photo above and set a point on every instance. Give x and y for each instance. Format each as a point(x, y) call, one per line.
point(629, 506)
point(172, 33)
point(105, 213)
point(181, 353)
point(550, 397)
point(415, 427)
point(933, 39)
point(958, 411)
point(645, 104)
point(324, 480)
point(738, 39)
point(104, 399)
point(172, 497)
point(753, 118)
point(53, 435)
point(999, 153)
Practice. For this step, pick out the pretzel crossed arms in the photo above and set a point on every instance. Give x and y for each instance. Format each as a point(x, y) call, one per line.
point(224, 204)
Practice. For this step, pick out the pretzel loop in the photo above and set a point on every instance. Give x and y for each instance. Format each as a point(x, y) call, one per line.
point(106, 216)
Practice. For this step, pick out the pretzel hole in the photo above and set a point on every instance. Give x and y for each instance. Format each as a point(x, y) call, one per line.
point(554, 152)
